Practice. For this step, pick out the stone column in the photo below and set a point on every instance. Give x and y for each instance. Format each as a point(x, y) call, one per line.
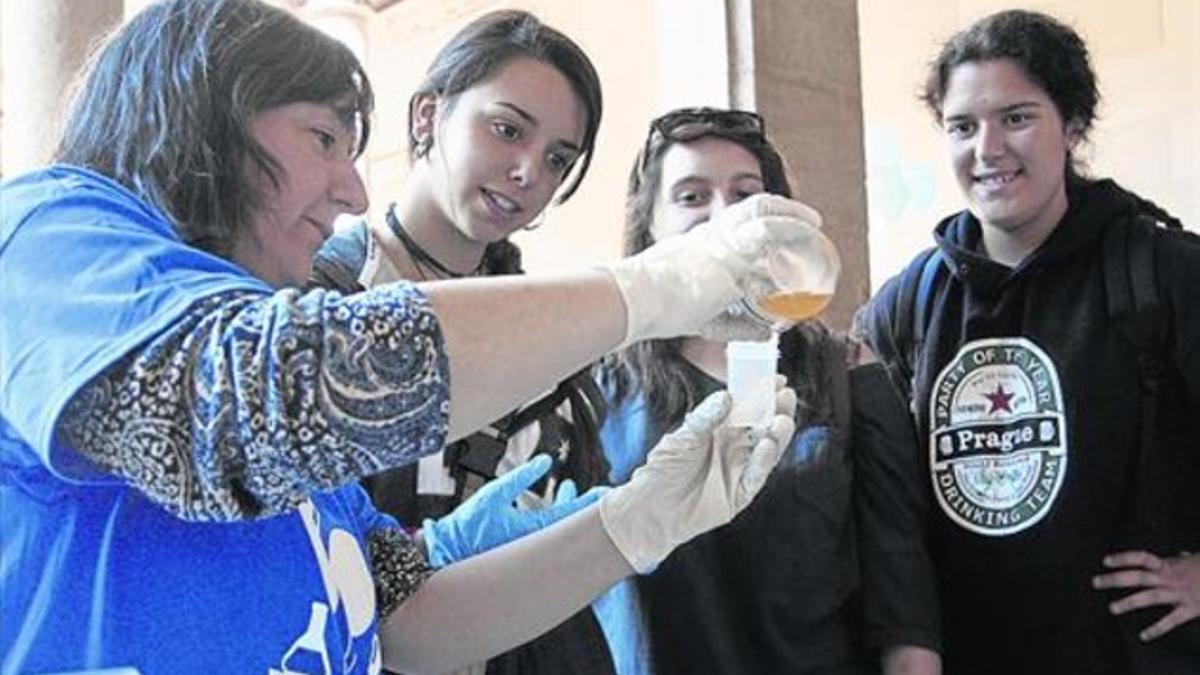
point(44, 45)
point(797, 63)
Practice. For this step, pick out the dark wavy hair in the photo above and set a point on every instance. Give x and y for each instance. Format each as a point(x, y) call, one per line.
point(164, 106)
point(474, 55)
point(655, 367)
point(1052, 55)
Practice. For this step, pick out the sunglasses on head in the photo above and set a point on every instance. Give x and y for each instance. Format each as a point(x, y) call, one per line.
point(687, 124)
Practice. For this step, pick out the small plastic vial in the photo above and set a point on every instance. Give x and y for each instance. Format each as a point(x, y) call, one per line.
point(750, 378)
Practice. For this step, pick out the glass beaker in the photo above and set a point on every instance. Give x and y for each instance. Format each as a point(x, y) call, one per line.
point(806, 278)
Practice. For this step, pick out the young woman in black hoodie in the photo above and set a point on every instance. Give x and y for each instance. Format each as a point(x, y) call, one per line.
point(1025, 389)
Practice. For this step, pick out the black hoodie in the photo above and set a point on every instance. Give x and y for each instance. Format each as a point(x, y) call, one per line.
point(1027, 407)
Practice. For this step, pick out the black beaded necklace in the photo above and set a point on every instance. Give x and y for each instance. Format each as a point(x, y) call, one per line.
point(420, 256)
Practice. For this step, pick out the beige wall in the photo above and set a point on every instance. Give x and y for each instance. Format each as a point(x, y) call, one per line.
point(1147, 137)
point(42, 46)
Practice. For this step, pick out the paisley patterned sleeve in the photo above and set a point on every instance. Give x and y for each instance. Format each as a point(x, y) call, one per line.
point(250, 402)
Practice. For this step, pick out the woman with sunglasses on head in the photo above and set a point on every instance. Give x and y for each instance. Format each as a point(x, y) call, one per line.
point(776, 590)
point(1056, 483)
point(182, 430)
point(505, 120)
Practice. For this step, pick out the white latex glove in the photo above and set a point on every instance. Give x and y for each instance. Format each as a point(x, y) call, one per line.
point(697, 478)
point(680, 285)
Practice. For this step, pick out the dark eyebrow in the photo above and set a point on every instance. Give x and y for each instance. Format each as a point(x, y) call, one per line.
point(344, 120)
point(693, 178)
point(570, 146)
point(521, 112)
point(1005, 109)
point(533, 121)
point(742, 175)
point(1018, 106)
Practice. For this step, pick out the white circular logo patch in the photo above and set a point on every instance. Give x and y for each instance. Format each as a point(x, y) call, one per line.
point(997, 445)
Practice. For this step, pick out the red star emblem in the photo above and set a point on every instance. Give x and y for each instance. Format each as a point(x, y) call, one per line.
point(999, 399)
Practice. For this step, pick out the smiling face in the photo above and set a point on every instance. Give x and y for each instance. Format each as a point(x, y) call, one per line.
point(1008, 147)
point(501, 148)
point(699, 179)
point(317, 182)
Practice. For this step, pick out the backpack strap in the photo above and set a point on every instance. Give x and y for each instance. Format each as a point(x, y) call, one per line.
point(1149, 323)
point(1165, 503)
point(1163, 507)
point(1132, 290)
point(924, 300)
point(913, 311)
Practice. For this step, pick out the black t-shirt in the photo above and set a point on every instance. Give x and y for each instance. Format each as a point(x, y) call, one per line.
point(775, 591)
point(899, 592)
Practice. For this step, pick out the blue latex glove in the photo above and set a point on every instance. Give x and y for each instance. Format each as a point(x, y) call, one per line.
point(490, 518)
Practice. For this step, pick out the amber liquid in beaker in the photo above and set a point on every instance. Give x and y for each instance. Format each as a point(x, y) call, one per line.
point(794, 305)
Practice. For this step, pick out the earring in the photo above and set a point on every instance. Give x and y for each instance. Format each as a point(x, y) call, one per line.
point(423, 146)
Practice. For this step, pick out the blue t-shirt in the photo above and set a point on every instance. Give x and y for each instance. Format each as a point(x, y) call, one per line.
point(93, 574)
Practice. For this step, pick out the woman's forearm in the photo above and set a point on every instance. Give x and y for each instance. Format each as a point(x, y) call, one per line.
point(485, 605)
point(511, 338)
